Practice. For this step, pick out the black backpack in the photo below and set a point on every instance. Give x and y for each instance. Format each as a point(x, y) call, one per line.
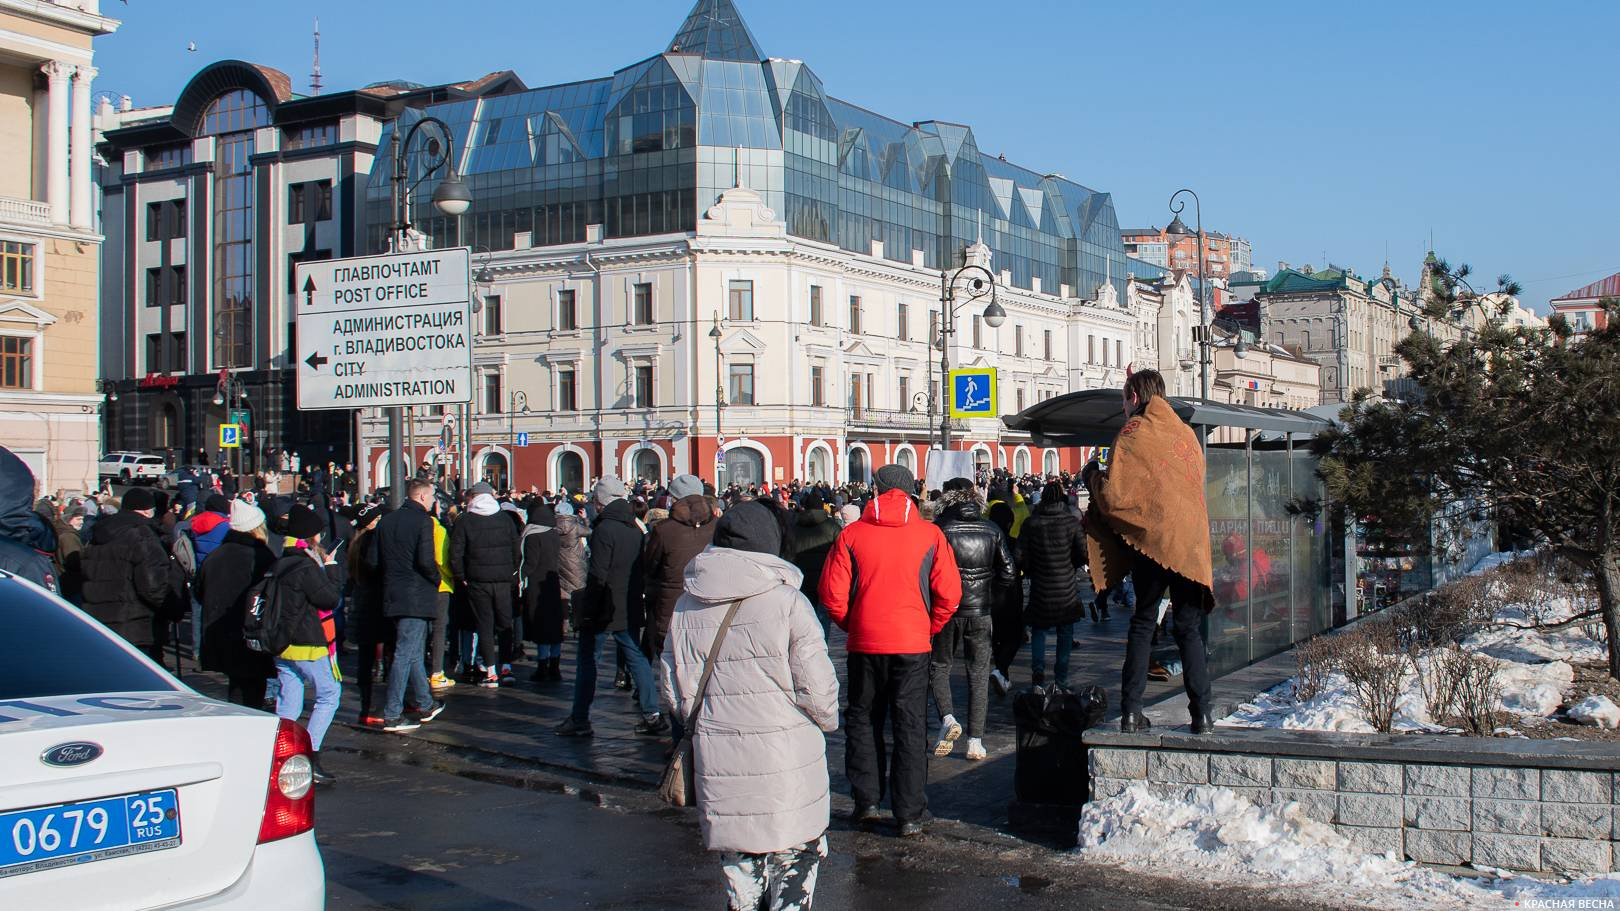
point(265, 625)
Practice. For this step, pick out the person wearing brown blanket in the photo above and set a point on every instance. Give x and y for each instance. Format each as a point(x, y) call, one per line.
point(1148, 518)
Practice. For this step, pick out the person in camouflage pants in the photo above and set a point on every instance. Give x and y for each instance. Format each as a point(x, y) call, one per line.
point(778, 881)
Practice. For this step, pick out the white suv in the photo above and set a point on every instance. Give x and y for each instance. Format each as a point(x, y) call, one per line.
point(131, 467)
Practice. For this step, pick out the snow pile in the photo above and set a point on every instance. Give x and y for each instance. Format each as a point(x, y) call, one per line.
point(1596, 710)
point(1226, 839)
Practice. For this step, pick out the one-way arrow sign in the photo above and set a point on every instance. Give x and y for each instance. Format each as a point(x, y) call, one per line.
point(309, 290)
point(315, 360)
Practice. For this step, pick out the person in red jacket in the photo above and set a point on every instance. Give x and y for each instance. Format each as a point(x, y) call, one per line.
point(891, 582)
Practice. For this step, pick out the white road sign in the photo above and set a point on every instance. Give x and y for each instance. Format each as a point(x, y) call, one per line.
point(385, 330)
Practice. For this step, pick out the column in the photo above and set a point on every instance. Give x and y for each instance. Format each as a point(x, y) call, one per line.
point(79, 168)
point(57, 74)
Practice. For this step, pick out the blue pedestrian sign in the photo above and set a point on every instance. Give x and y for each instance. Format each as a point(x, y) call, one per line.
point(973, 393)
point(230, 436)
point(523, 438)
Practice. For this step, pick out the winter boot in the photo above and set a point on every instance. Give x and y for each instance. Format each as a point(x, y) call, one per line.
point(554, 669)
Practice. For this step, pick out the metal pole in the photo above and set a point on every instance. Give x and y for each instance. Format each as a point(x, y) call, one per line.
point(396, 455)
point(396, 458)
point(719, 397)
point(946, 330)
point(1203, 306)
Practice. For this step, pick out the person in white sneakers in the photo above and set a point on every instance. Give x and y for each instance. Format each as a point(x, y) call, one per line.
point(985, 560)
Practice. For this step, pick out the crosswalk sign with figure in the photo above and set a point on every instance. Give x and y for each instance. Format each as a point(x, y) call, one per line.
point(230, 436)
point(973, 393)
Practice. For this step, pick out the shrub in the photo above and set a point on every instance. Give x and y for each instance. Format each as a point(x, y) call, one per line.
point(1316, 657)
point(1478, 689)
point(1375, 667)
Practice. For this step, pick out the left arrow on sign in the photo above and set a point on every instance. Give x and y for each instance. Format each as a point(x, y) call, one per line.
point(309, 290)
point(315, 361)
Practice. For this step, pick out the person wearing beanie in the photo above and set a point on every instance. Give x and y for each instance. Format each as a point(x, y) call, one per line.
point(813, 535)
point(241, 560)
point(671, 545)
point(308, 598)
point(763, 798)
point(127, 582)
point(611, 608)
point(870, 587)
point(483, 563)
point(1051, 551)
point(685, 485)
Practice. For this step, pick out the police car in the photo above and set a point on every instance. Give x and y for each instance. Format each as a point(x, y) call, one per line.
point(121, 788)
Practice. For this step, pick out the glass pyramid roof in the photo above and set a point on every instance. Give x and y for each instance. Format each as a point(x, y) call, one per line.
point(715, 30)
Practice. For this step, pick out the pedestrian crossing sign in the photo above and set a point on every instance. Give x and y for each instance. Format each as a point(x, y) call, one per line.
point(230, 436)
point(973, 393)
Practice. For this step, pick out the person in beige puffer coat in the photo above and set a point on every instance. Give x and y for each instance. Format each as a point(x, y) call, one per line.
point(759, 749)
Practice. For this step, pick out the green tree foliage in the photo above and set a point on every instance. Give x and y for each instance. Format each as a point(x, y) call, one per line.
point(1519, 424)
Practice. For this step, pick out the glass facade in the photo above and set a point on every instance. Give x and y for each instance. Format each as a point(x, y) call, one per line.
point(647, 150)
point(232, 118)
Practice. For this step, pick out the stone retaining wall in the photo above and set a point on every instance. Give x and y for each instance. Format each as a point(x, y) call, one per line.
point(1488, 802)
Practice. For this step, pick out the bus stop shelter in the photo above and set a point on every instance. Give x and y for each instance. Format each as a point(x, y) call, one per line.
point(1269, 532)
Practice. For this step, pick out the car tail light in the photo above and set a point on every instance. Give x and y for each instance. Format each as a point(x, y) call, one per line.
point(289, 804)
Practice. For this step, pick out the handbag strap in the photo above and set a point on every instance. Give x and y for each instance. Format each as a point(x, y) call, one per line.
point(708, 671)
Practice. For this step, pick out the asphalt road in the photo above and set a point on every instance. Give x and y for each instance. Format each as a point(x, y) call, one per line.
point(413, 826)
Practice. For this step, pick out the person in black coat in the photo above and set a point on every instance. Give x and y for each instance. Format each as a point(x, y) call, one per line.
point(542, 591)
point(364, 598)
point(613, 584)
point(985, 561)
point(25, 543)
point(483, 561)
point(223, 581)
point(1051, 550)
point(814, 534)
point(307, 598)
point(126, 574)
point(410, 576)
point(1007, 633)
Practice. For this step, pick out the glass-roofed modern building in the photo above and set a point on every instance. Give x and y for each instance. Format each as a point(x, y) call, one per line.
point(707, 263)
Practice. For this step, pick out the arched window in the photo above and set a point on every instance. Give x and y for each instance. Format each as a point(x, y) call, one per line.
point(496, 471)
point(571, 472)
point(858, 467)
point(816, 466)
point(232, 117)
point(1050, 463)
point(648, 467)
point(906, 459)
point(1021, 462)
point(744, 467)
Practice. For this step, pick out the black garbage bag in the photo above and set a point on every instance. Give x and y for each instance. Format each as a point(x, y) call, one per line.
point(1051, 760)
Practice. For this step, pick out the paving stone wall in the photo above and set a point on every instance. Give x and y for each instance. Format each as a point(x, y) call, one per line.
point(1523, 818)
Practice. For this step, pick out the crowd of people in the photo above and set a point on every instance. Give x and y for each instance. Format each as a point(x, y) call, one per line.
point(717, 606)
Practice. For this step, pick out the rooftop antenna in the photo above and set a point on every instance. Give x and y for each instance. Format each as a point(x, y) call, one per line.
point(315, 77)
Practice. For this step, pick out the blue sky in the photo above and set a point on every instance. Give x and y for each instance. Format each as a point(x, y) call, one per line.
point(1319, 131)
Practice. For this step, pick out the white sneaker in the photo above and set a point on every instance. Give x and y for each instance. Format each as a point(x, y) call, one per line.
point(949, 731)
point(976, 750)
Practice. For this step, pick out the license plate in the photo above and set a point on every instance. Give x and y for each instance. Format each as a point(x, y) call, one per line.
point(70, 834)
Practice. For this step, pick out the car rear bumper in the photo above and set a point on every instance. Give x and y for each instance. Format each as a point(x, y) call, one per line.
point(286, 875)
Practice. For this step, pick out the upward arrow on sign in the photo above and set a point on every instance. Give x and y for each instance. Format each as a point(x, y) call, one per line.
point(309, 290)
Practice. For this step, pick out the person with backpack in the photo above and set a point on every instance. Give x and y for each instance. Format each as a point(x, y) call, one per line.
point(298, 602)
point(233, 567)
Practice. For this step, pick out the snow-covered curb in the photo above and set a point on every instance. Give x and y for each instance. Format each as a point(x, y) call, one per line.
point(1219, 837)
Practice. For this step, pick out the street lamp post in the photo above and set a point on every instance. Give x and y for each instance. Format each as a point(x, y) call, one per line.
point(452, 198)
point(229, 390)
point(978, 284)
point(719, 398)
point(520, 400)
point(1178, 228)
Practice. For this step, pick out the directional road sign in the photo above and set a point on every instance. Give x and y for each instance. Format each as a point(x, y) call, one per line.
point(523, 438)
point(240, 416)
point(230, 436)
point(973, 393)
point(385, 330)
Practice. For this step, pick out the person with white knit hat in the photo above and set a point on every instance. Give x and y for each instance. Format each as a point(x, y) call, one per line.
point(245, 516)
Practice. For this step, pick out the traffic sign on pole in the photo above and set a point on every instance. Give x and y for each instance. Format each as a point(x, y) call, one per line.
point(973, 393)
point(230, 436)
point(385, 331)
point(240, 416)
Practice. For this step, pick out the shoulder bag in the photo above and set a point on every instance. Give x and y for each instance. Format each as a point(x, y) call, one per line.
point(678, 787)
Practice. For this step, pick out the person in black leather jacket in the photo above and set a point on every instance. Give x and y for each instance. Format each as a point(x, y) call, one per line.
point(1051, 552)
point(986, 562)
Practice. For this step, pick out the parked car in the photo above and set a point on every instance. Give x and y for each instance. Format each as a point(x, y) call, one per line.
point(131, 467)
point(120, 787)
point(172, 478)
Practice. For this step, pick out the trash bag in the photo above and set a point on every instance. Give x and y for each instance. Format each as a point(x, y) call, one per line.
point(1051, 759)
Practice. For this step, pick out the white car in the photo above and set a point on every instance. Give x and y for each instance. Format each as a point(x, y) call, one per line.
point(131, 467)
point(123, 789)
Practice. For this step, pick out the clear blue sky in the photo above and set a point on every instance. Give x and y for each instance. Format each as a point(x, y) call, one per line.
point(1340, 129)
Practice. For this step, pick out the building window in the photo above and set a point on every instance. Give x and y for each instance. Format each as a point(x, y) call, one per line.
point(16, 266)
point(567, 400)
point(1119, 353)
point(740, 300)
point(1046, 343)
point(493, 403)
point(567, 312)
point(854, 315)
point(169, 156)
point(1091, 349)
point(742, 384)
point(310, 135)
point(933, 326)
point(16, 362)
point(233, 119)
point(494, 317)
point(818, 386)
point(644, 386)
point(643, 302)
point(902, 321)
point(1021, 405)
point(816, 317)
point(308, 202)
point(174, 293)
point(1018, 343)
point(905, 393)
point(978, 333)
point(855, 393)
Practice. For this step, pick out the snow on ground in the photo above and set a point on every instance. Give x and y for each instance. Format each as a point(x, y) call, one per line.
point(1598, 710)
point(1220, 837)
point(1535, 673)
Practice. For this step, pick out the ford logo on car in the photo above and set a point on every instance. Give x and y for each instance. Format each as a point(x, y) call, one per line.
point(69, 754)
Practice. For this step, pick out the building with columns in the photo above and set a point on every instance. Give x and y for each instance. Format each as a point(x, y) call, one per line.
point(708, 263)
point(209, 205)
point(50, 407)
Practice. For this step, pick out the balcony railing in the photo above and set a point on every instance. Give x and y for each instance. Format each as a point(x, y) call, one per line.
point(24, 211)
point(862, 418)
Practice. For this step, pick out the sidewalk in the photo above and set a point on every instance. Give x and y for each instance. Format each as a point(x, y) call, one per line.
point(516, 722)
